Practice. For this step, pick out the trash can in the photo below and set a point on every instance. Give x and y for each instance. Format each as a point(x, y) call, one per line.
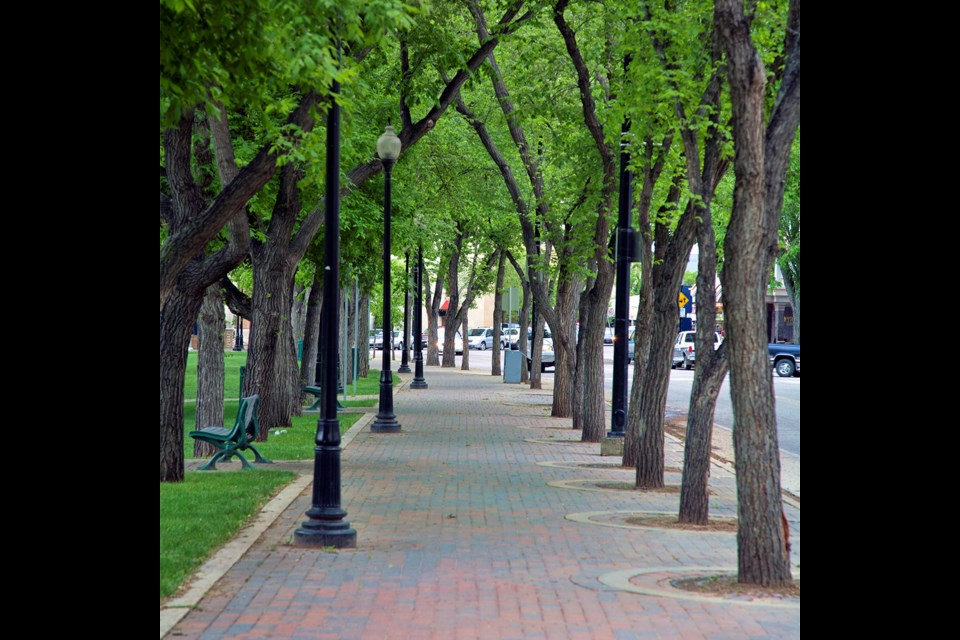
point(512, 364)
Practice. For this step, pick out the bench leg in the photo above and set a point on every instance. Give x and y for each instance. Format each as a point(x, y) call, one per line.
point(258, 456)
point(243, 461)
point(212, 463)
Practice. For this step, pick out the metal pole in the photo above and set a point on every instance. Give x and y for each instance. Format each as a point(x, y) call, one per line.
point(621, 321)
point(356, 314)
point(404, 365)
point(418, 381)
point(386, 421)
point(346, 326)
point(326, 526)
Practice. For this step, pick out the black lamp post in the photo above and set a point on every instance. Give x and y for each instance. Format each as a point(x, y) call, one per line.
point(238, 335)
point(404, 366)
point(418, 381)
point(625, 242)
point(326, 526)
point(388, 148)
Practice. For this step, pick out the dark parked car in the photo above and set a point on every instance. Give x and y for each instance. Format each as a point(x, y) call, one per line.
point(785, 359)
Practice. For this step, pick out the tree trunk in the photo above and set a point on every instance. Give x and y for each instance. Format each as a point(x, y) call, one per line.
point(760, 164)
point(583, 312)
point(270, 331)
point(210, 368)
point(495, 368)
point(524, 327)
point(453, 293)
point(568, 290)
point(465, 360)
point(364, 337)
point(311, 337)
point(432, 303)
point(653, 398)
point(536, 351)
point(176, 320)
point(298, 315)
point(594, 402)
point(641, 356)
point(795, 303)
point(694, 489)
point(652, 170)
point(671, 258)
point(708, 378)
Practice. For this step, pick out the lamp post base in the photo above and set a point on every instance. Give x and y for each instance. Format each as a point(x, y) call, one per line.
point(316, 534)
point(418, 384)
point(404, 369)
point(385, 424)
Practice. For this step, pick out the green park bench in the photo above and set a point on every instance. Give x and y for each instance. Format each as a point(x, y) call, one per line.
point(231, 442)
point(316, 392)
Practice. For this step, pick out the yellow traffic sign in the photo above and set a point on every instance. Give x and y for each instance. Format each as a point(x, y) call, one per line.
point(683, 300)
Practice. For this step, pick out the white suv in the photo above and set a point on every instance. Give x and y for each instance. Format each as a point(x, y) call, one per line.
point(480, 338)
point(687, 343)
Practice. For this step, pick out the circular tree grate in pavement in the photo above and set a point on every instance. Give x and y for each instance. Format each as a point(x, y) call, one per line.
point(608, 485)
point(550, 440)
point(652, 520)
point(663, 581)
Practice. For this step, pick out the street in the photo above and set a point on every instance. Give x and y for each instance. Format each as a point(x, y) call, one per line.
point(787, 391)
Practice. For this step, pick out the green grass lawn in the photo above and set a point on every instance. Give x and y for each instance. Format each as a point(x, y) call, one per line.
point(287, 443)
point(203, 512)
point(233, 360)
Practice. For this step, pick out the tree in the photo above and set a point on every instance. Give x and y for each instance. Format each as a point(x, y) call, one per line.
point(597, 293)
point(181, 205)
point(687, 76)
point(760, 166)
point(788, 257)
point(210, 367)
point(213, 57)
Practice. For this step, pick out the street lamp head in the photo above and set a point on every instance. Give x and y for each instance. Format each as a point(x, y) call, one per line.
point(388, 145)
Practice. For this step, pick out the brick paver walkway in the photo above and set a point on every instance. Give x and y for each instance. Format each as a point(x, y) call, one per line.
point(461, 536)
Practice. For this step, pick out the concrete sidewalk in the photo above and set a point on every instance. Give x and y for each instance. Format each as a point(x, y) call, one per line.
point(477, 521)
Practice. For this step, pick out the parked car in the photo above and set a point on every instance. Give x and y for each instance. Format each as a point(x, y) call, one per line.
point(509, 338)
point(687, 343)
point(679, 358)
point(376, 340)
point(608, 334)
point(398, 339)
point(480, 338)
point(457, 342)
point(785, 359)
point(548, 357)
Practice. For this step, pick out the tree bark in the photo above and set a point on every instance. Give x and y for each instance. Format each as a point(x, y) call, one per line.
point(667, 276)
point(464, 331)
point(794, 303)
point(453, 295)
point(184, 296)
point(568, 290)
point(271, 332)
point(652, 170)
point(311, 339)
point(524, 326)
point(495, 368)
point(364, 338)
point(298, 315)
point(708, 378)
point(192, 232)
point(433, 309)
point(210, 368)
point(176, 320)
point(761, 156)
